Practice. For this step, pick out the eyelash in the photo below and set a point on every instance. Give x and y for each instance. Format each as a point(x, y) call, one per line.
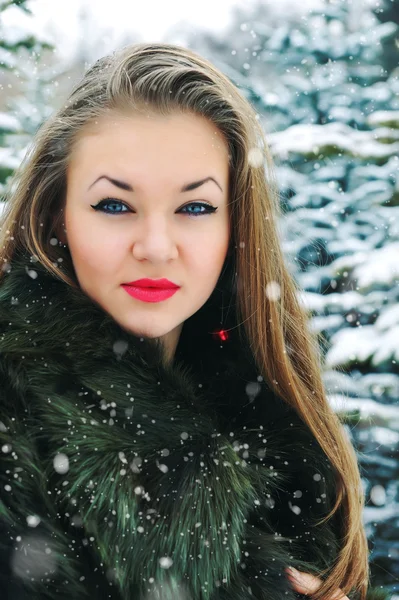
point(105, 201)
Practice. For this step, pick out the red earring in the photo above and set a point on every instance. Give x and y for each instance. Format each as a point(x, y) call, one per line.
point(220, 335)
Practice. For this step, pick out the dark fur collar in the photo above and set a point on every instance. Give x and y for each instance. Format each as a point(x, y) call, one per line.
point(193, 479)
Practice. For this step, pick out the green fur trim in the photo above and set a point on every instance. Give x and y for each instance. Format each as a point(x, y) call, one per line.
point(123, 478)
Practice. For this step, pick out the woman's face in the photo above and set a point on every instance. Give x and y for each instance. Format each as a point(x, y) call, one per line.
point(152, 224)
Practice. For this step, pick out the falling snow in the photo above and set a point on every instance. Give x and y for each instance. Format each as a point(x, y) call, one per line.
point(326, 95)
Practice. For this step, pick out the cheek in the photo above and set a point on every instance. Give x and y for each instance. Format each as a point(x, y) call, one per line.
point(92, 249)
point(207, 261)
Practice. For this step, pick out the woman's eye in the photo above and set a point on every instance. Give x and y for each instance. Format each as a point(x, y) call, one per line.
point(208, 209)
point(113, 206)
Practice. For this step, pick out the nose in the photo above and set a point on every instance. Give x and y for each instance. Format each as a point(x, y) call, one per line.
point(153, 241)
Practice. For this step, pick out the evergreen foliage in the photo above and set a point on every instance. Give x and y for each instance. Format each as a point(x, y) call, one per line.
point(321, 84)
point(20, 55)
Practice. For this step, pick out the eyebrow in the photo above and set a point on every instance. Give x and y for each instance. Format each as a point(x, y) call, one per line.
point(127, 187)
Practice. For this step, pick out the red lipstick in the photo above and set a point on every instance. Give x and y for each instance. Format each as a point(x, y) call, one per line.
point(153, 283)
point(151, 290)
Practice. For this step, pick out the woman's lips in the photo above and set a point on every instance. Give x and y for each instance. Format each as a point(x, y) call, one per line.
point(150, 294)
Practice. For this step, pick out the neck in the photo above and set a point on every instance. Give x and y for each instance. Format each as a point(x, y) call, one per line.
point(170, 341)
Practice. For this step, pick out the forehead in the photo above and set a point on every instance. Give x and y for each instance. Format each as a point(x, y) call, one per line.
point(144, 129)
point(139, 145)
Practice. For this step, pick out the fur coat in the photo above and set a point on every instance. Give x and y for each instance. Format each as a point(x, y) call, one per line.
point(123, 478)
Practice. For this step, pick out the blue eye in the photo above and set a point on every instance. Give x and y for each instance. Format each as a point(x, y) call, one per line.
point(111, 206)
point(116, 206)
point(208, 209)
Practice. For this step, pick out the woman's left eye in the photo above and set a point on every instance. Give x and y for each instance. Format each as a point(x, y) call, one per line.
point(208, 208)
point(116, 207)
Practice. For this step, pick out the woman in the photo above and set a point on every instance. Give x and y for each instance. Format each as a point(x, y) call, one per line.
point(171, 441)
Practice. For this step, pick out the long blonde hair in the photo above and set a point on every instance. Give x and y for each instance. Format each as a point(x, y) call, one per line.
point(165, 78)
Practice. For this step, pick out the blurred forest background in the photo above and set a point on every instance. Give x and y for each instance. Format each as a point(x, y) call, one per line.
point(325, 84)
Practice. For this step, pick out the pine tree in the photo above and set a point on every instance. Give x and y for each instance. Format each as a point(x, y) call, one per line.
point(26, 108)
point(329, 107)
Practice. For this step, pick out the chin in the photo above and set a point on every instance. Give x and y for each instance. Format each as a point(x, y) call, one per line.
point(152, 331)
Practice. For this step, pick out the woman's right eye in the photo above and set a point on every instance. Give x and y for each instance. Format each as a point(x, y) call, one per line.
point(110, 206)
